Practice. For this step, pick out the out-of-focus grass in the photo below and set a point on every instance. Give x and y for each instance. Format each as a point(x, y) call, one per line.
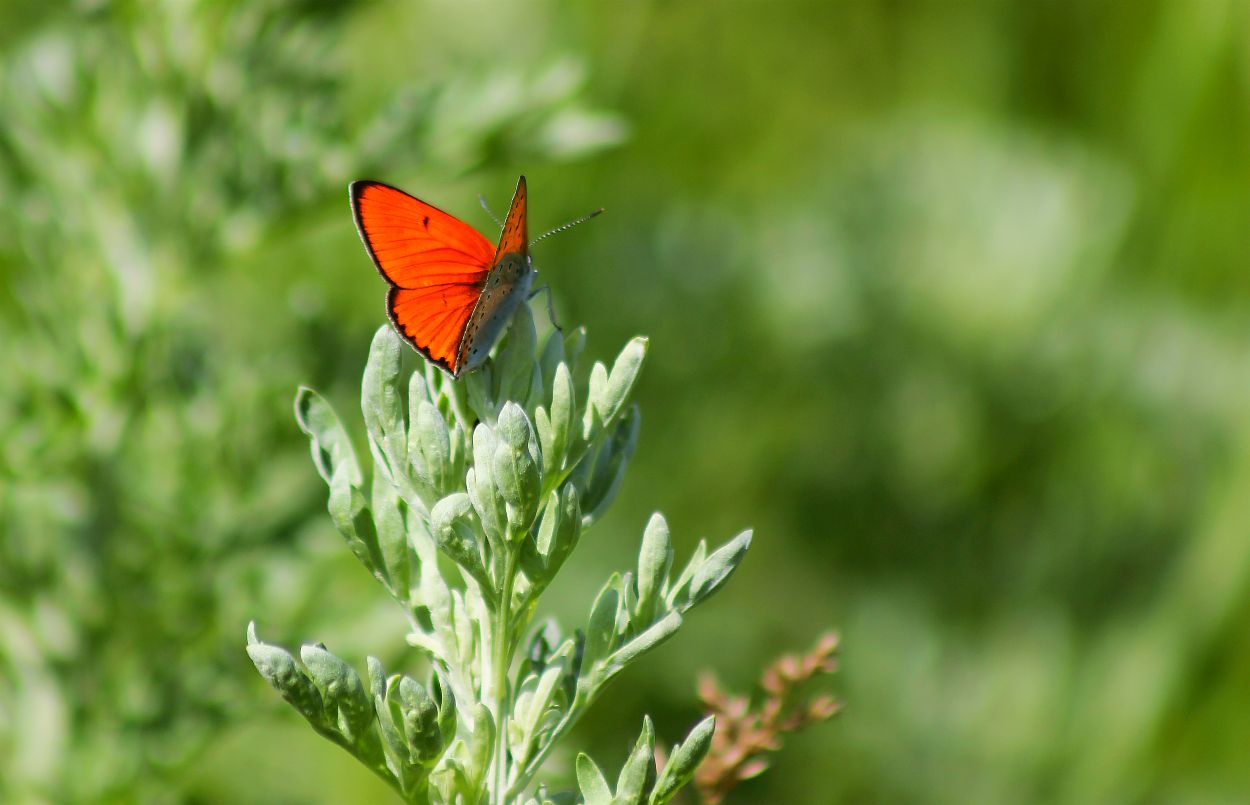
point(948, 302)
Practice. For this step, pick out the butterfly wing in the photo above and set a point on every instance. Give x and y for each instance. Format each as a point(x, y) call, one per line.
point(435, 263)
point(515, 237)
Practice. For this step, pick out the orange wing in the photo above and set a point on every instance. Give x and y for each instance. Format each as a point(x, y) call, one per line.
point(515, 237)
point(435, 263)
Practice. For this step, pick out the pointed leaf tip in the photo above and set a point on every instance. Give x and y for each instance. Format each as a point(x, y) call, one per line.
point(591, 781)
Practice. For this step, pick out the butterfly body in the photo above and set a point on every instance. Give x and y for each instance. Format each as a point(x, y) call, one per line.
point(507, 285)
point(452, 293)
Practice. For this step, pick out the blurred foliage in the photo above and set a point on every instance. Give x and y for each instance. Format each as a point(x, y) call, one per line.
point(947, 300)
point(150, 477)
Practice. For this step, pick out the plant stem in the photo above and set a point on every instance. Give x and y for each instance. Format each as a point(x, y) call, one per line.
point(502, 659)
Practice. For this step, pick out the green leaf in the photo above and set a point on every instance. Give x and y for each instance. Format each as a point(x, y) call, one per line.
point(481, 483)
point(610, 397)
point(354, 521)
point(398, 753)
point(440, 689)
point(593, 421)
point(562, 416)
point(332, 451)
point(655, 560)
point(543, 555)
point(380, 399)
point(433, 442)
point(601, 627)
point(552, 356)
point(418, 391)
point(592, 782)
point(536, 549)
point(568, 527)
point(453, 524)
point(342, 690)
point(717, 568)
point(478, 387)
point(377, 676)
point(574, 343)
point(680, 588)
point(482, 743)
point(514, 363)
point(639, 769)
point(392, 536)
point(652, 636)
point(517, 470)
point(610, 465)
point(420, 719)
point(279, 668)
point(683, 761)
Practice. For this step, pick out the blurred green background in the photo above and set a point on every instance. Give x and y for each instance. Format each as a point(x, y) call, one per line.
point(949, 301)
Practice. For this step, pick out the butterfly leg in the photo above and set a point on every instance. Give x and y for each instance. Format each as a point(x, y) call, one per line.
point(551, 308)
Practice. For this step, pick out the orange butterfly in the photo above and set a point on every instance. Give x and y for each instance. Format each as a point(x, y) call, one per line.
point(452, 292)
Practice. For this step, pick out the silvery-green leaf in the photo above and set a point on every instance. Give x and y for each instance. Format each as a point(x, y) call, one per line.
point(398, 754)
point(680, 588)
point(352, 518)
point(629, 604)
point(392, 535)
point(380, 400)
point(639, 769)
point(563, 416)
point(279, 668)
point(545, 539)
point(440, 689)
point(535, 394)
point(331, 448)
point(655, 560)
point(552, 356)
point(452, 778)
point(683, 761)
point(716, 569)
point(481, 483)
point(574, 343)
point(482, 742)
point(601, 627)
point(342, 691)
point(452, 397)
point(517, 471)
point(652, 636)
point(542, 427)
point(544, 692)
point(478, 391)
point(514, 363)
point(436, 596)
point(568, 527)
point(453, 524)
point(420, 719)
point(433, 440)
point(609, 470)
point(462, 627)
point(418, 391)
point(377, 676)
point(592, 782)
point(610, 397)
point(593, 421)
point(535, 550)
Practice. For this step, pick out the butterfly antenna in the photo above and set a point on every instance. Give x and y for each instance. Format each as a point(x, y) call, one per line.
point(567, 226)
point(481, 198)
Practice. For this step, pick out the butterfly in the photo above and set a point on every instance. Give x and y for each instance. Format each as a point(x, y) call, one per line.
point(452, 292)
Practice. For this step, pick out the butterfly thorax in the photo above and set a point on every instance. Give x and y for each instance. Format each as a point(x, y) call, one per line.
point(506, 286)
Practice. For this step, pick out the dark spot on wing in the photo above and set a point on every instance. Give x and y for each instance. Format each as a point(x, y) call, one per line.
point(426, 222)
